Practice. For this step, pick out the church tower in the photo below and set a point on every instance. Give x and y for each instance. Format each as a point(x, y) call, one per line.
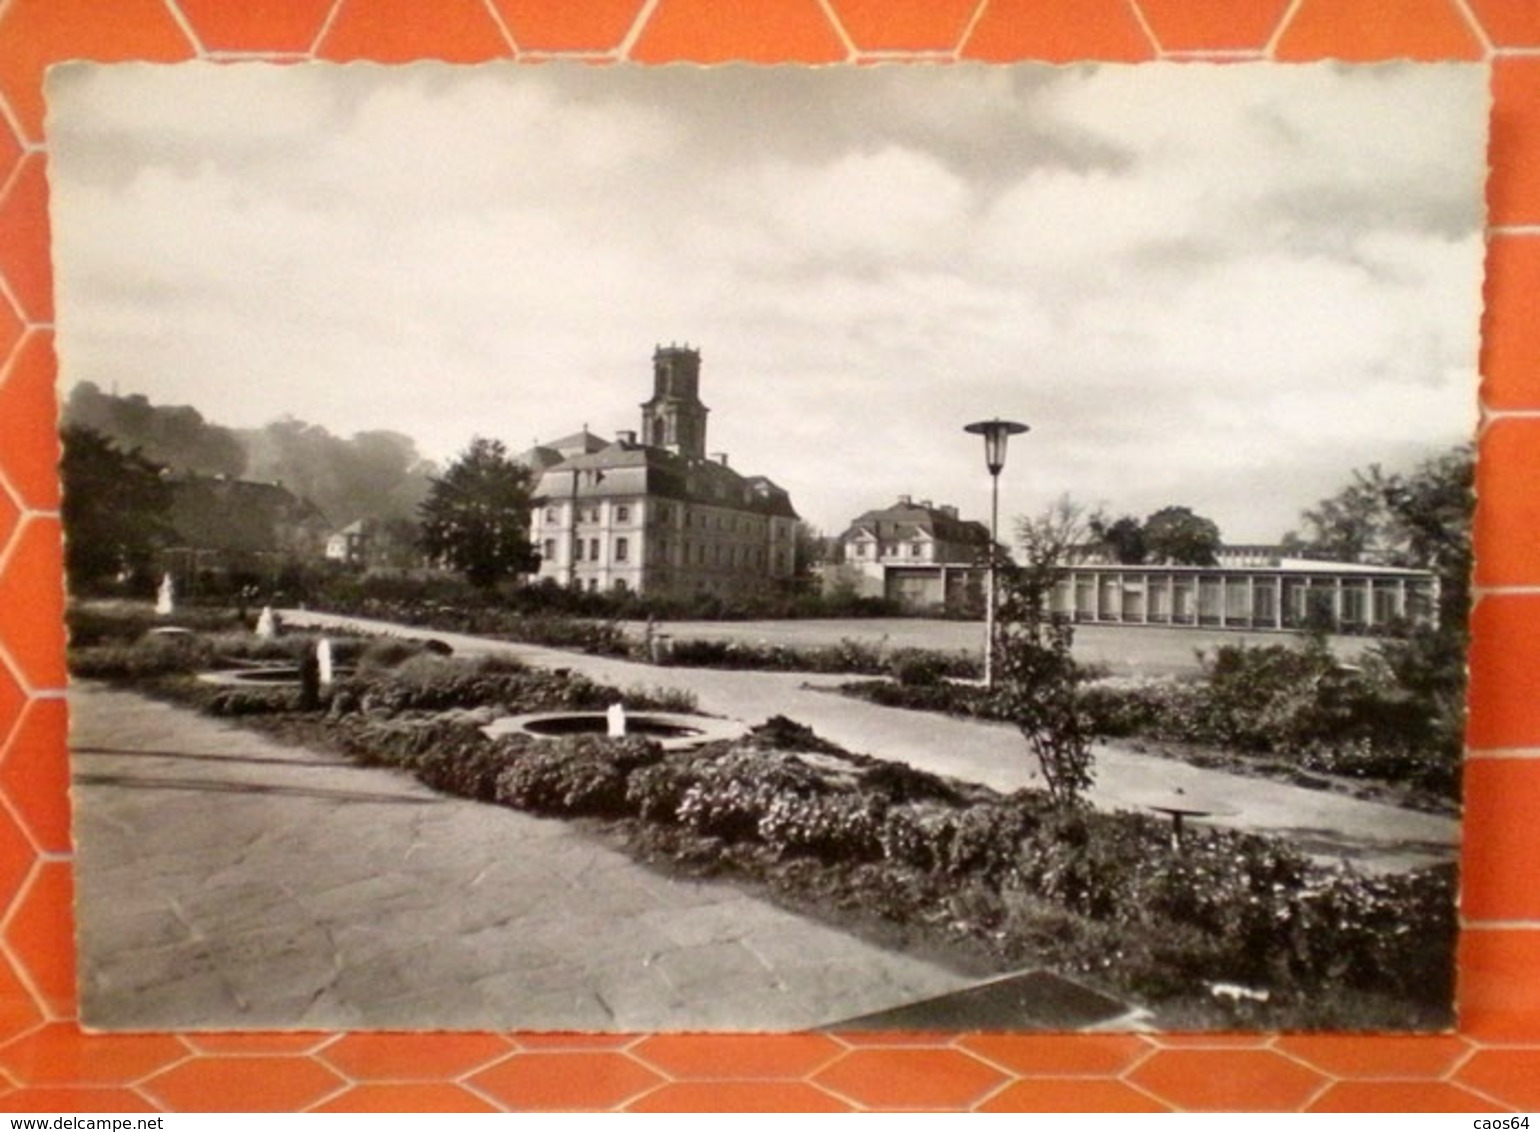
point(675, 416)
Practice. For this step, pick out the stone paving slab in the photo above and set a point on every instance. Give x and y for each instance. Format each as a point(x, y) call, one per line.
point(227, 881)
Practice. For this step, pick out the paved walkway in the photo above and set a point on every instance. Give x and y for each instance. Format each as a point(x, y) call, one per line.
point(1330, 826)
point(227, 881)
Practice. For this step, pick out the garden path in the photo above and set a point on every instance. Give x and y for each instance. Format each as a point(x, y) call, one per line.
point(227, 881)
point(1329, 826)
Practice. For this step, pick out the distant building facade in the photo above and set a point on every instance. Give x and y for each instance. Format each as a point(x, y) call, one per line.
point(375, 544)
point(1252, 587)
point(922, 556)
point(926, 560)
point(650, 512)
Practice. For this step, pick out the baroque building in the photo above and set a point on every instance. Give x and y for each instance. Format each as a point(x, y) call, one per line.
point(920, 555)
point(651, 512)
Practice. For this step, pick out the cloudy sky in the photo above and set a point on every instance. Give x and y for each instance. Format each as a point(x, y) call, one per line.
point(1218, 286)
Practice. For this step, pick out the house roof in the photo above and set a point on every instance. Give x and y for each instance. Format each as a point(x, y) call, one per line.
point(216, 513)
point(539, 458)
point(580, 441)
point(909, 520)
point(660, 472)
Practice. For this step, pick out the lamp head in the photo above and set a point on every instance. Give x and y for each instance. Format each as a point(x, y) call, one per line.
point(995, 433)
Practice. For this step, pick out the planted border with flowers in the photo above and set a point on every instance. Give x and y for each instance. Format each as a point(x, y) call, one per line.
point(993, 882)
point(1391, 724)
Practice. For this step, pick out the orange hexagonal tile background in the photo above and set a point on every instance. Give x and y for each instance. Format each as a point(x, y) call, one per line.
point(48, 1065)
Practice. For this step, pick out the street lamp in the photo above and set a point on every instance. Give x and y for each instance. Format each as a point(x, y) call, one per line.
point(995, 433)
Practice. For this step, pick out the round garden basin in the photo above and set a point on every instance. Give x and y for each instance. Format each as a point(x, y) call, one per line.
point(671, 730)
point(262, 676)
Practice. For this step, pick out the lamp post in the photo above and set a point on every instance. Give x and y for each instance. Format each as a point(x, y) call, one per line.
point(995, 433)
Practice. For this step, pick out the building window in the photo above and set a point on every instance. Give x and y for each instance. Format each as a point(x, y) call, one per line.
point(577, 550)
point(550, 550)
point(550, 514)
point(914, 550)
point(622, 514)
point(622, 549)
point(593, 549)
point(593, 585)
point(620, 585)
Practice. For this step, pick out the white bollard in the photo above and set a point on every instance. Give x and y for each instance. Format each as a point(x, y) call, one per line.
point(615, 716)
point(323, 659)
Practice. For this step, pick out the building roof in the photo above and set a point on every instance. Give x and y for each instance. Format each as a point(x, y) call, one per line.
point(622, 469)
point(1234, 558)
point(907, 520)
point(1297, 566)
point(217, 513)
point(542, 456)
point(579, 442)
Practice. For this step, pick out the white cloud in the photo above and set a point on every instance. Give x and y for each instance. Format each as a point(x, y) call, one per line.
point(1195, 282)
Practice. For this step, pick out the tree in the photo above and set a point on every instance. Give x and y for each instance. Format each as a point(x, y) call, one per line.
point(1044, 541)
point(1037, 679)
point(1124, 538)
point(475, 518)
point(1421, 519)
point(175, 436)
point(812, 548)
point(1432, 508)
point(1175, 535)
point(115, 511)
point(1351, 526)
point(371, 475)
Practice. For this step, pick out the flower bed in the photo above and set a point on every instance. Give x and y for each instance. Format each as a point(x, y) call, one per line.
point(1278, 711)
point(995, 872)
point(995, 881)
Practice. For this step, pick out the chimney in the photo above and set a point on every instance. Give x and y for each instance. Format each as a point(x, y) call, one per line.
point(720, 458)
point(626, 438)
point(949, 510)
point(905, 501)
point(925, 503)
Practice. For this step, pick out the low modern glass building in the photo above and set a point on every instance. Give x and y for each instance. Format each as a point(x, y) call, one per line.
point(1289, 593)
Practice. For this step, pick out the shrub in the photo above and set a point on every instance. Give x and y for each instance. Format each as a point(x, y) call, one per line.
point(660, 697)
point(465, 764)
point(431, 683)
point(248, 701)
point(924, 667)
point(575, 775)
point(840, 826)
point(986, 840)
point(848, 656)
point(386, 653)
point(154, 654)
point(901, 783)
point(123, 623)
point(917, 836)
point(781, 734)
point(733, 792)
point(656, 792)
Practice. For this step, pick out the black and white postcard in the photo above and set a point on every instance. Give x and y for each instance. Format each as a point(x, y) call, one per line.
point(629, 548)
